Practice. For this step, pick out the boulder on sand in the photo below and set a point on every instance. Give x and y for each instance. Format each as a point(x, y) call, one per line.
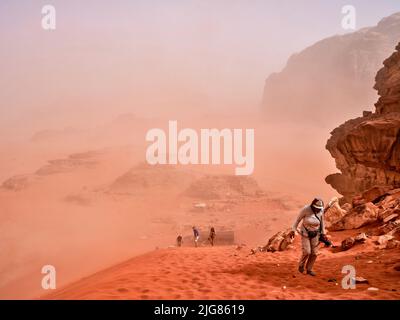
point(351, 241)
point(383, 240)
point(362, 237)
point(348, 243)
point(280, 241)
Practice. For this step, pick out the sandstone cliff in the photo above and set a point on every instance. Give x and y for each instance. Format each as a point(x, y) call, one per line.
point(367, 149)
point(330, 81)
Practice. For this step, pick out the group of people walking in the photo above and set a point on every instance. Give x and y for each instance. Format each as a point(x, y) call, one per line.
point(196, 237)
point(311, 230)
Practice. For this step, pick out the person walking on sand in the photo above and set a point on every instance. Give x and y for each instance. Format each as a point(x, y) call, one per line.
point(311, 229)
point(179, 241)
point(212, 235)
point(196, 235)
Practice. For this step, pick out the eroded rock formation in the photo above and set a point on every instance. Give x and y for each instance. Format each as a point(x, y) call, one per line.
point(367, 149)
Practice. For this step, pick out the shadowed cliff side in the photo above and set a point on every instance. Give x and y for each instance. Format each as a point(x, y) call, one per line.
point(330, 81)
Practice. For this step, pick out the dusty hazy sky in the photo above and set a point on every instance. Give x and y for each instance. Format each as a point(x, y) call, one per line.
point(157, 57)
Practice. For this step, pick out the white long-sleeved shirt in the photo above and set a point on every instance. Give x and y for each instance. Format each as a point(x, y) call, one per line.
point(310, 221)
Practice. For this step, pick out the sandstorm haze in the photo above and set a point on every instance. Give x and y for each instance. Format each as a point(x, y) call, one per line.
point(76, 103)
point(159, 58)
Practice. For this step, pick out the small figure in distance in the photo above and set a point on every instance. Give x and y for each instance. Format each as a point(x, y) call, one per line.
point(212, 235)
point(196, 235)
point(179, 241)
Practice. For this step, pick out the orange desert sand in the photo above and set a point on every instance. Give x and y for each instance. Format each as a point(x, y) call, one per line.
point(231, 273)
point(82, 200)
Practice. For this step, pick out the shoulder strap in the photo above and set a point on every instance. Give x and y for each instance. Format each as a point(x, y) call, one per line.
point(320, 224)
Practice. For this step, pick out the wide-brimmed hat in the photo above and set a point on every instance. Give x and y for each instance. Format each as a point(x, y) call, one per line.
point(317, 203)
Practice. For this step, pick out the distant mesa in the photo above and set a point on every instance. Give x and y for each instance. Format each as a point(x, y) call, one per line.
point(17, 183)
point(49, 135)
point(77, 199)
point(331, 79)
point(212, 187)
point(142, 177)
point(74, 161)
point(77, 160)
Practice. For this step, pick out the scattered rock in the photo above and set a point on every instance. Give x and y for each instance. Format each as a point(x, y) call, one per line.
point(390, 227)
point(280, 241)
point(372, 289)
point(392, 244)
point(348, 243)
point(360, 280)
point(383, 240)
point(361, 237)
point(255, 250)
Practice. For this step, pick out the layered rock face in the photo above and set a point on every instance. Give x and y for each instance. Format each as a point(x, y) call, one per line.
point(330, 81)
point(367, 149)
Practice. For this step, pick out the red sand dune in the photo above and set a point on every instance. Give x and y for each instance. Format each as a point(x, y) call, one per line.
point(229, 273)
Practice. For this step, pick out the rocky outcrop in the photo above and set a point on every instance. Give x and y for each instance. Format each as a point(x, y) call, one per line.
point(331, 79)
point(357, 217)
point(384, 215)
point(333, 213)
point(367, 149)
point(280, 241)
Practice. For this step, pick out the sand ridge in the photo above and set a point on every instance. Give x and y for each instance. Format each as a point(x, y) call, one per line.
point(227, 272)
